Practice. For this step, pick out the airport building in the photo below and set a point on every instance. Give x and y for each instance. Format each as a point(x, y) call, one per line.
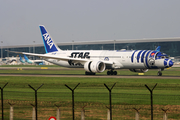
point(170, 46)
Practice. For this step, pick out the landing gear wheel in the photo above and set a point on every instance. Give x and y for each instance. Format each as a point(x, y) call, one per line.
point(159, 73)
point(111, 72)
point(108, 72)
point(115, 72)
point(89, 73)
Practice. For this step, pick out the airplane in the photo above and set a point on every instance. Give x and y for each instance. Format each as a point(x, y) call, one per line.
point(97, 61)
point(21, 60)
point(27, 60)
point(38, 62)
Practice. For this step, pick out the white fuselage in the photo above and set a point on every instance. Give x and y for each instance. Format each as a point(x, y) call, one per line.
point(121, 59)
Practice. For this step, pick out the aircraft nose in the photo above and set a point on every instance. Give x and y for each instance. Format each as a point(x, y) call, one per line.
point(170, 63)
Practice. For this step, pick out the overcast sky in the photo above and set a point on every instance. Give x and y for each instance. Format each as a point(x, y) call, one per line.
point(87, 20)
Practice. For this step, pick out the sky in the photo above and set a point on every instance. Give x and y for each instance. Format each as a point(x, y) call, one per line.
point(87, 20)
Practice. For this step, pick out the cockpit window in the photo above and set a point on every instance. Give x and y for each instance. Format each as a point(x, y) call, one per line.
point(161, 56)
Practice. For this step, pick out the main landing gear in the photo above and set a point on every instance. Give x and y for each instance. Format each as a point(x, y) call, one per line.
point(111, 72)
point(89, 73)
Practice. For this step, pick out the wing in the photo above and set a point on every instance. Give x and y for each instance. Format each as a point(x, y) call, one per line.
point(48, 56)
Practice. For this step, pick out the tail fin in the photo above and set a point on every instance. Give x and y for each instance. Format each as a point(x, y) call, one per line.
point(158, 48)
point(26, 58)
point(21, 59)
point(49, 44)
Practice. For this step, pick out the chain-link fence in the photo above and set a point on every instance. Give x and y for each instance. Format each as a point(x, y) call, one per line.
point(95, 104)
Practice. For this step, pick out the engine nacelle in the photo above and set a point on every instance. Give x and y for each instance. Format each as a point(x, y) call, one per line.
point(95, 66)
point(139, 70)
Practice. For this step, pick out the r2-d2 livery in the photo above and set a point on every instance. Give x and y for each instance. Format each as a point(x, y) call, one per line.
point(97, 61)
point(151, 60)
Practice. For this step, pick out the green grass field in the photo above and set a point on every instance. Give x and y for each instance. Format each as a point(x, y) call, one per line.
point(126, 94)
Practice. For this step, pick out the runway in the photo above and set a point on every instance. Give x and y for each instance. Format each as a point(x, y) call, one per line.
point(93, 76)
point(79, 75)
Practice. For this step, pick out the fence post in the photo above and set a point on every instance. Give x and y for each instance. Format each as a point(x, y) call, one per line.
point(83, 113)
point(72, 98)
point(165, 113)
point(58, 117)
point(35, 98)
point(108, 113)
point(33, 112)
point(137, 113)
point(110, 107)
point(11, 111)
point(2, 100)
point(151, 94)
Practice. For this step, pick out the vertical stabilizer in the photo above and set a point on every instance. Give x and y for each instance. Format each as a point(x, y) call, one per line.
point(27, 60)
point(21, 59)
point(25, 57)
point(49, 44)
point(158, 48)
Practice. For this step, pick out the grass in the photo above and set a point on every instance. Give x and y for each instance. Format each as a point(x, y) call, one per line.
point(29, 66)
point(60, 70)
point(90, 87)
point(126, 94)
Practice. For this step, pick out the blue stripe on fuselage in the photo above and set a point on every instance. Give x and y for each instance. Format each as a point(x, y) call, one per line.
point(147, 59)
point(142, 56)
point(138, 56)
point(132, 57)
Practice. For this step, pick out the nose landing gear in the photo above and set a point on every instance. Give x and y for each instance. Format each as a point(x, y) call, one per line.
point(159, 72)
point(111, 72)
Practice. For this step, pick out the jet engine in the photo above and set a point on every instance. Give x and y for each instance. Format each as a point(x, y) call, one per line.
point(94, 66)
point(139, 70)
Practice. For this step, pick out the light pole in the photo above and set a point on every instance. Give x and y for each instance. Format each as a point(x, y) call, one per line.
point(72, 44)
point(29, 49)
point(33, 48)
point(114, 44)
point(8, 53)
point(1, 50)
